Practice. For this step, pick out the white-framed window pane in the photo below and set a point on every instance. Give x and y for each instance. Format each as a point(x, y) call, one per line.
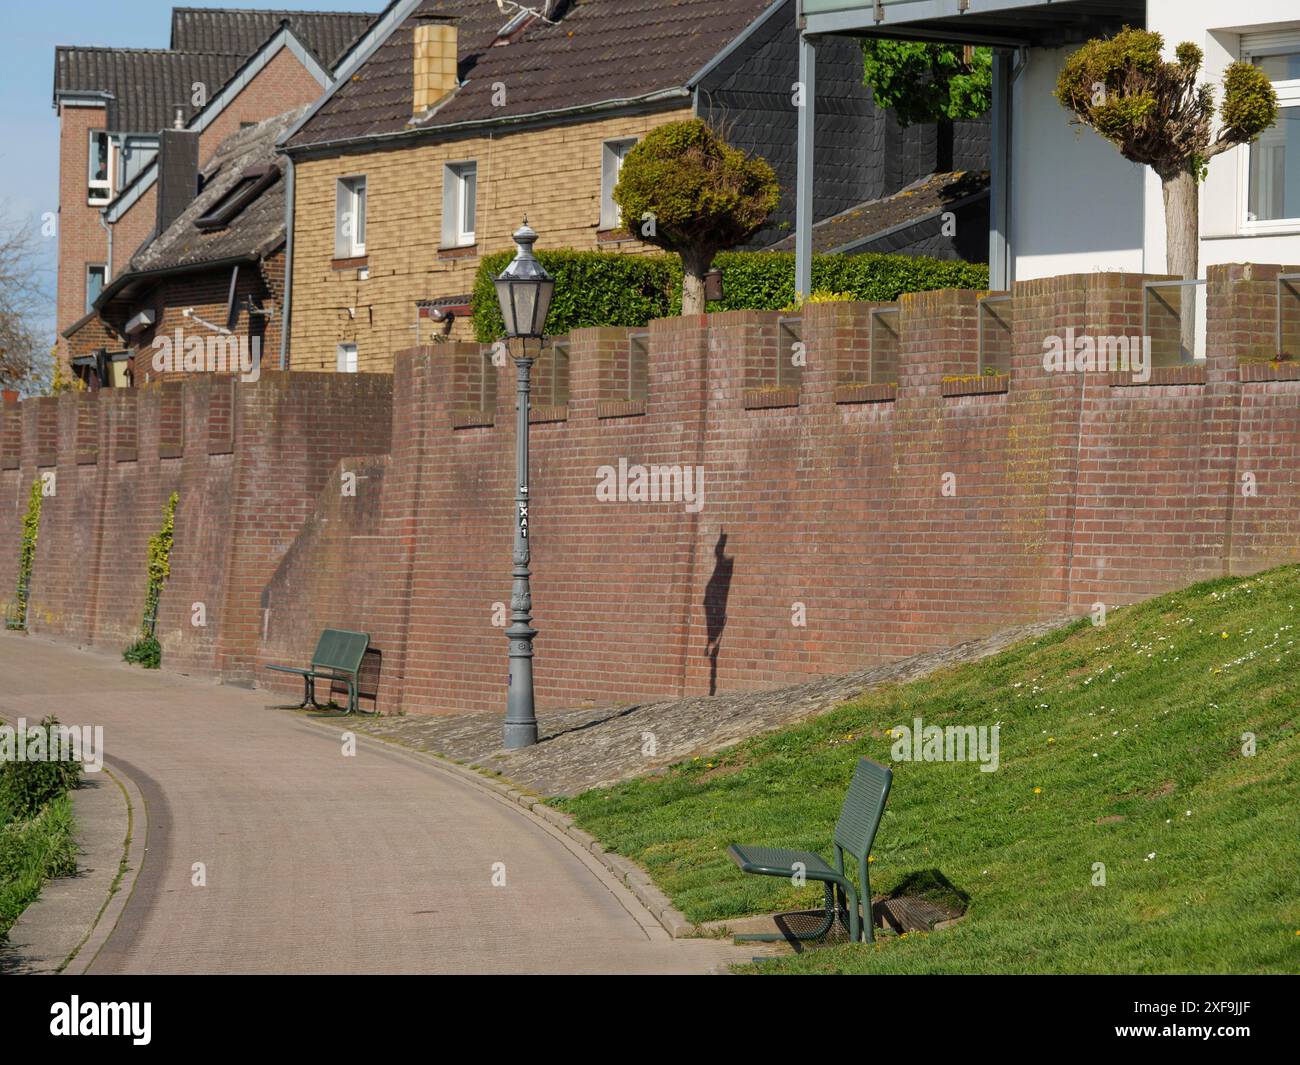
point(94, 284)
point(1275, 170)
point(612, 156)
point(359, 209)
point(350, 218)
point(459, 204)
point(347, 358)
point(1285, 67)
point(99, 185)
point(1273, 160)
point(468, 201)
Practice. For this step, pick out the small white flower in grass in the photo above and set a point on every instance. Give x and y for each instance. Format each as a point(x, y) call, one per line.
point(1151, 857)
point(1188, 814)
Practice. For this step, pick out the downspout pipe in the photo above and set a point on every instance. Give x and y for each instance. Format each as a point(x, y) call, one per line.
point(288, 266)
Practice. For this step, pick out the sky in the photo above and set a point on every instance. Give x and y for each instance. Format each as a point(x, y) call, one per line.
point(29, 160)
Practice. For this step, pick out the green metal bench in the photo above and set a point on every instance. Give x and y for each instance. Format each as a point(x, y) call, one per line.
point(854, 834)
point(338, 656)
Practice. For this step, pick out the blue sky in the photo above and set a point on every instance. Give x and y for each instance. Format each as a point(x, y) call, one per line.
point(29, 160)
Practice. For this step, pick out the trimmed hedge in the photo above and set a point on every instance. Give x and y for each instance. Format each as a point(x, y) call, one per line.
point(606, 288)
point(764, 281)
point(592, 288)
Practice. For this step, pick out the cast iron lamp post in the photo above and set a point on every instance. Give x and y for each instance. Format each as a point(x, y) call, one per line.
point(524, 291)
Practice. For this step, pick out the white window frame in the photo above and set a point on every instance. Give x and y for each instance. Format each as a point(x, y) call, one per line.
point(99, 190)
point(346, 357)
point(612, 155)
point(103, 269)
point(350, 204)
point(1288, 96)
point(457, 231)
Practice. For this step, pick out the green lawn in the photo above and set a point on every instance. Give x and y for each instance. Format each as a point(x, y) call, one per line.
point(1120, 744)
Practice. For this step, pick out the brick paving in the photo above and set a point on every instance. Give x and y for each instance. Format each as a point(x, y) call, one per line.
point(320, 863)
point(588, 748)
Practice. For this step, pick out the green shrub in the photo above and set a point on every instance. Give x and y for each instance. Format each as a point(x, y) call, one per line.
point(27, 787)
point(592, 288)
point(605, 288)
point(145, 652)
point(764, 281)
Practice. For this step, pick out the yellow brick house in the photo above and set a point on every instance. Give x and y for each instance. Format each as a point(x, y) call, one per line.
point(455, 118)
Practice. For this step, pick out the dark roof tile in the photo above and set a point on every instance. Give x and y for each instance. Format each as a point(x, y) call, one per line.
point(329, 34)
point(867, 221)
point(600, 51)
point(146, 85)
point(256, 230)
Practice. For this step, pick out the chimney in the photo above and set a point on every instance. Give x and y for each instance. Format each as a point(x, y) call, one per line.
point(178, 174)
point(435, 61)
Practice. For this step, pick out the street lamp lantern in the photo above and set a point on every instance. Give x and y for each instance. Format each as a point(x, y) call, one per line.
point(524, 291)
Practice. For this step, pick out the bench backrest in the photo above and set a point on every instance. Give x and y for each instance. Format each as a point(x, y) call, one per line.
point(341, 650)
point(863, 807)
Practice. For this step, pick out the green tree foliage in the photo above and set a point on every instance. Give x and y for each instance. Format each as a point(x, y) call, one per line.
point(926, 82)
point(147, 651)
point(1157, 113)
point(684, 189)
point(26, 556)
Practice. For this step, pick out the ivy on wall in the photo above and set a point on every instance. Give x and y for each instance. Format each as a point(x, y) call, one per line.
point(147, 651)
point(26, 556)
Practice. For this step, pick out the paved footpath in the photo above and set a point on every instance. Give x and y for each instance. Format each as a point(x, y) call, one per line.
point(320, 863)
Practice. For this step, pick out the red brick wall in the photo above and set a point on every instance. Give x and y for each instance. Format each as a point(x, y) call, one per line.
point(81, 238)
point(1067, 489)
point(247, 461)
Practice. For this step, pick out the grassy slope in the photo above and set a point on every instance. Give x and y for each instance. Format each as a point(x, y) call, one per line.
point(1141, 719)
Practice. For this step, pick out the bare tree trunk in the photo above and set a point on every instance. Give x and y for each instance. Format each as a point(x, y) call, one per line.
point(1182, 248)
point(694, 266)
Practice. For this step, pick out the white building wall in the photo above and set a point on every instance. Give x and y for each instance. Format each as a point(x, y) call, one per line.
point(1078, 206)
point(1076, 203)
point(1216, 28)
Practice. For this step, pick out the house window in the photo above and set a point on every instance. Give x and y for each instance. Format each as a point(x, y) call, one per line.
point(99, 177)
point(1273, 160)
point(614, 152)
point(246, 189)
point(350, 218)
point(347, 358)
point(459, 204)
point(94, 284)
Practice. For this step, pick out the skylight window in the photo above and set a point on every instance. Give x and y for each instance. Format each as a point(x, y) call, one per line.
point(245, 191)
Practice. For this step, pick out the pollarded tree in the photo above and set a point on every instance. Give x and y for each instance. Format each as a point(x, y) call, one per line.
point(926, 82)
point(1156, 113)
point(684, 189)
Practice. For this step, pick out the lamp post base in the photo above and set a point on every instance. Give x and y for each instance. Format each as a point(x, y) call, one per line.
point(520, 734)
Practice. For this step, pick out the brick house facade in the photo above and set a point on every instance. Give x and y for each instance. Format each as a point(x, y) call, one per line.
point(405, 129)
point(223, 69)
